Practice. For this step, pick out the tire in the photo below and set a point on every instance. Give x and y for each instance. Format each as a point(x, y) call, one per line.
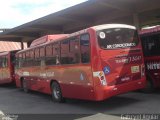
point(24, 86)
point(149, 87)
point(56, 93)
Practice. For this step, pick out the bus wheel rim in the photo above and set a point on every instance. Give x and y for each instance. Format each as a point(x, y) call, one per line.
point(56, 93)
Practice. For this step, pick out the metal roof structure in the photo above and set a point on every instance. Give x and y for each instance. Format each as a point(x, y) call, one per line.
point(9, 46)
point(89, 13)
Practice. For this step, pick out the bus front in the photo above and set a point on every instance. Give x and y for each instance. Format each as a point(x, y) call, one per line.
point(117, 63)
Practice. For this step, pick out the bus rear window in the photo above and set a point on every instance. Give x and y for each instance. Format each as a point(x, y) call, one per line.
point(116, 38)
point(151, 45)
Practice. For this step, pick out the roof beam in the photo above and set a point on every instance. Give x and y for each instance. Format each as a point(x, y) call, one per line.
point(26, 34)
point(15, 39)
point(75, 18)
point(148, 6)
point(69, 28)
point(48, 27)
point(115, 5)
point(108, 18)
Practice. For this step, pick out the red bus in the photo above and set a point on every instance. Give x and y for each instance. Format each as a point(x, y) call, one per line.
point(151, 46)
point(92, 64)
point(7, 60)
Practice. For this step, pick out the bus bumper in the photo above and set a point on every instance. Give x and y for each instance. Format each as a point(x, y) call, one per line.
point(103, 93)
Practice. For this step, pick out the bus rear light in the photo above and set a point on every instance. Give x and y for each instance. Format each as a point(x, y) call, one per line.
point(115, 89)
point(155, 74)
point(101, 76)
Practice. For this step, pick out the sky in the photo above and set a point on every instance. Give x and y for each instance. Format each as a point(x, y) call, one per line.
point(17, 12)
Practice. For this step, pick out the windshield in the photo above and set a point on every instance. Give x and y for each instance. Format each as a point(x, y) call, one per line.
point(115, 38)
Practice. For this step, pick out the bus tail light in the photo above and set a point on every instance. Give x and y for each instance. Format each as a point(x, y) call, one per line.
point(142, 70)
point(101, 76)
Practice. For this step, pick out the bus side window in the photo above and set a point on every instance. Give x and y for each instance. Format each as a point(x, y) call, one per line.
point(85, 48)
point(49, 54)
point(37, 57)
point(31, 58)
point(42, 56)
point(74, 50)
point(0, 62)
point(19, 60)
point(56, 53)
point(150, 45)
point(65, 59)
point(5, 62)
point(27, 60)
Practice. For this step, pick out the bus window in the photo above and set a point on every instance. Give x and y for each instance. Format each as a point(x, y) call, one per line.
point(116, 38)
point(85, 49)
point(27, 60)
point(37, 57)
point(74, 50)
point(151, 45)
point(65, 59)
point(1, 62)
point(19, 60)
point(49, 50)
point(49, 55)
point(42, 52)
point(5, 62)
point(56, 53)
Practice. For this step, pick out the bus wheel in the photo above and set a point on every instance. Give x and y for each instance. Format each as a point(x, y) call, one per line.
point(56, 93)
point(24, 86)
point(149, 87)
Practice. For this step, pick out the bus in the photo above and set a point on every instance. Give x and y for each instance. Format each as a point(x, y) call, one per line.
point(92, 64)
point(7, 61)
point(151, 46)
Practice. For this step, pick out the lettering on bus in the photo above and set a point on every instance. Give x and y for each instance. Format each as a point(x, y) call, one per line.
point(26, 74)
point(129, 59)
point(153, 66)
point(121, 45)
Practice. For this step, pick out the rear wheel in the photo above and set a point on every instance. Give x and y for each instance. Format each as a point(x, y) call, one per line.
point(56, 92)
point(24, 86)
point(149, 86)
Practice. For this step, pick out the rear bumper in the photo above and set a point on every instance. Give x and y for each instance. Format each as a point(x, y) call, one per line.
point(103, 93)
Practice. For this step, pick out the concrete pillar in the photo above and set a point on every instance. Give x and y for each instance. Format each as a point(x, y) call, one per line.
point(28, 44)
point(136, 21)
point(22, 45)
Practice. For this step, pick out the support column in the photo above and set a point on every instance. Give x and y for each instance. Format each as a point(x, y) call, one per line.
point(28, 44)
point(136, 21)
point(22, 45)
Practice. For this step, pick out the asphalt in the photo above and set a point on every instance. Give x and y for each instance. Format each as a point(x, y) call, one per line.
point(15, 101)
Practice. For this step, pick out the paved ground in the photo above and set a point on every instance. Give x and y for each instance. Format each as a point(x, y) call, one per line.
point(15, 101)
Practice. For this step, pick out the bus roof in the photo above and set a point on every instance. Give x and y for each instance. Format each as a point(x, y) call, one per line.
point(7, 52)
point(150, 30)
point(4, 53)
point(100, 27)
point(107, 26)
point(46, 39)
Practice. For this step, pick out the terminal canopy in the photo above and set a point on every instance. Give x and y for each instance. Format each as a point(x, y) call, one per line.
point(92, 12)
